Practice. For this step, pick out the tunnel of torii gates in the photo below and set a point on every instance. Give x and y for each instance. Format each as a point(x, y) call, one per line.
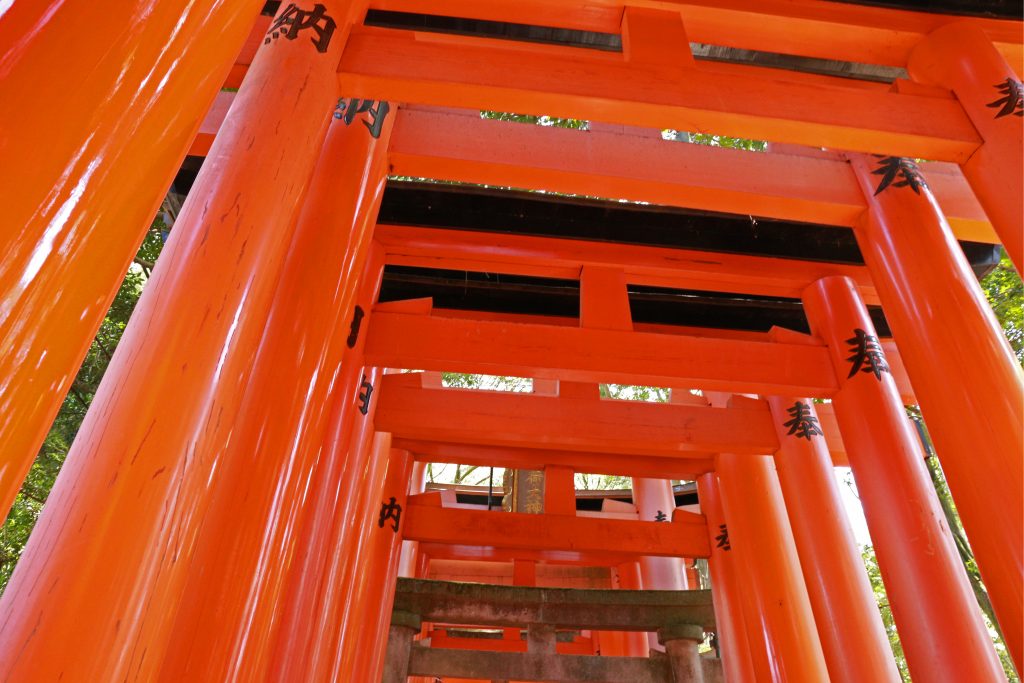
point(247, 485)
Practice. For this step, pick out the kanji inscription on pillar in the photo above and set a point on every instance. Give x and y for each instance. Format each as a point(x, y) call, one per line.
point(866, 355)
point(802, 424)
point(1012, 100)
point(390, 510)
point(891, 168)
point(353, 331)
point(365, 392)
point(293, 21)
point(660, 517)
point(722, 539)
point(348, 108)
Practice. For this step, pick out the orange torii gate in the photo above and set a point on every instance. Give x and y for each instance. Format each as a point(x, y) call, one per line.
point(236, 536)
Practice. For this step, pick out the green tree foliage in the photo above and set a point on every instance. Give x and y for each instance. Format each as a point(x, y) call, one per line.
point(1005, 294)
point(29, 502)
point(542, 120)
point(875, 577)
point(715, 140)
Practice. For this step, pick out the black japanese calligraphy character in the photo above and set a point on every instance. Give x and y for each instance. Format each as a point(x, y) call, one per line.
point(892, 167)
point(347, 109)
point(723, 538)
point(866, 355)
point(1012, 101)
point(803, 424)
point(366, 391)
point(293, 21)
point(660, 517)
point(353, 330)
point(390, 510)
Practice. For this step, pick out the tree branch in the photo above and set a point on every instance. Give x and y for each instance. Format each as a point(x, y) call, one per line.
point(77, 393)
point(103, 349)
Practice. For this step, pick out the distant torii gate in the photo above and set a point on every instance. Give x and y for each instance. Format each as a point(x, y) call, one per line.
point(230, 509)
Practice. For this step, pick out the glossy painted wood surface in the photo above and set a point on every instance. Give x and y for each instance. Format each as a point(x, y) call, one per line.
point(312, 609)
point(737, 652)
point(850, 628)
point(961, 57)
point(251, 536)
point(90, 144)
point(429, 523)
point(533, 350)
point(940, 624)
point(653, 496)
point(623, 162)
point(97, 586)
point(759, 533)
point(383, 63)
point(688, 467)
point(564, 258)
point(523, 420)
point(372, 586)
point(828, 30)
point(949, 337)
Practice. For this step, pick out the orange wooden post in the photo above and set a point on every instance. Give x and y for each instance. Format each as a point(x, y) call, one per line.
point(940, 625)
point(961, 57)
point(758, 531)
point(96, 115)
point(410, 549)
point(852, 635)
point(336, 522)
point(137, 481)
point(318, 595)
point(635, 643)
point(948, 337)
point(249, 535)
point(311, 599)
point(625, 576)
point(560, 490)
point(655, 502)
point(736, 650)
point(372, 585)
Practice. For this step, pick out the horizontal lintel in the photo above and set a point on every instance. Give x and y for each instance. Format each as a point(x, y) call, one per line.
point(836, 31)
point(653, 467)
point(457, 145)
point(430, 342)
point(395, 65)
point(605, 609)
point(650, 266)
point(685, 536)
point(525, 420)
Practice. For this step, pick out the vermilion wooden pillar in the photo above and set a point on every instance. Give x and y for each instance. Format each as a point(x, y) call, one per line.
point(96, 114)
point(625, 576)
point(311, 599)
point(655, 502)
point(314, 600)
point(959, 56)
point(364, 632)
point(965, 376)
point(368, 452)
point(736, 651)
point(410, 549)
point(852, 636)
point(136, 484)
point(249, 535)
point(939, 622)
point(635, 642)
point(759, 533)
